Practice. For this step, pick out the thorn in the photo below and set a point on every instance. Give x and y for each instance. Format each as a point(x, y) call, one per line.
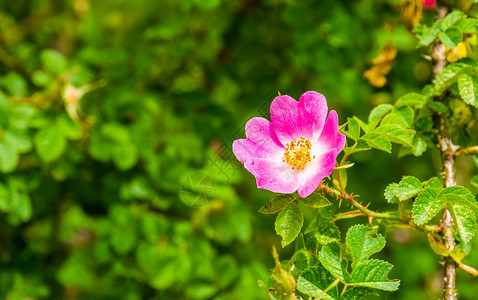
point(370, 218)
point(340, 201)
point(279, 93)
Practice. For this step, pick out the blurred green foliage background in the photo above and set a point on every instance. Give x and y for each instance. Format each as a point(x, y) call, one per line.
point(116, 123)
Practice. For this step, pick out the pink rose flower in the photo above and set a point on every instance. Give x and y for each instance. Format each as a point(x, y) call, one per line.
point(428, 4)
point(295, 151)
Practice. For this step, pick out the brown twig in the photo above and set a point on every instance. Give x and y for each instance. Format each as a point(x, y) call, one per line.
point(470, 270)
point(467, 151)
point(447, 150)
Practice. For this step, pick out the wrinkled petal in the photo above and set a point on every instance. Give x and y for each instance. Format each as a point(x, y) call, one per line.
point(273, 175)
point(330, 136)
point(285, 118)
point(313, 111)
point(315, 172)
point(260, 142)
point(292, 119)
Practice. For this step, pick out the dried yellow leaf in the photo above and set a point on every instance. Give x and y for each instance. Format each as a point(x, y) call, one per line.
point(454, 54)
point(382, 64)
point(411, 12)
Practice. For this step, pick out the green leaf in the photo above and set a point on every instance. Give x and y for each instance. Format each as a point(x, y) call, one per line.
point(116, 132)
point(448, 77)
point(394, 120)
point(50, 143)
point(464, 208)
point(437, 246)
point(357, 293)
point(469, 25)
point(21, 207)
point(391, 193)
point(434, 183)
point(53, 61)
point(465, 219)
point(125, 156)
point(427, 35)
point(303, 260)
point(361, 146)
point(289, 223)
point(5, 200)
point(414, 100)
point(314, 281)
point(474, 181)
point(72, 130)
point(201, 291)
point(8, 158)
point(15, 84)
point(315, 200)
point(467, 89)
point(21, 143)
point(459, 194)
point(353, 128)
point(408, 187)
point(378, 141)
point(378, 112)
point(451, 37)
point(423, 123)
point(396, 134)
point(373, 274)
point(362, 124)
point(427, 205)
point(327, 232)
point(438, 106)
point(451, 19)
point(329, 257)
point(299, 243)
point(406, 113)
point(41, 78)
point(362, 244)
point(277, 204)
point(419, 146)
point(458, 254)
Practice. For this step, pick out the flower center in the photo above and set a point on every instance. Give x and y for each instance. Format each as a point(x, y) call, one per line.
point(297, 153)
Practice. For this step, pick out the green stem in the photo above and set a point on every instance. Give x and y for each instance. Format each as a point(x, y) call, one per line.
point(331, 286)
point(402, 207)
point(343, 290)
point(424, 228)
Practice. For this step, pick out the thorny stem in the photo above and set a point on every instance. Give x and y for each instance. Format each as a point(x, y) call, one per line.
point(447, 150)
point(365, 212)
point(358, 205)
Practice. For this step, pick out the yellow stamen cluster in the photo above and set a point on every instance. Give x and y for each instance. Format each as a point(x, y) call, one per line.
point(297, 153)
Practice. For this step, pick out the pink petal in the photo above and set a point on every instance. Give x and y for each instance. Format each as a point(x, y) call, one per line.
point(285, 118)
point(273, 175)
point(330, 137)
point(292, 119)
point(313, 111)
point(260, 142)
point(315, 172)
